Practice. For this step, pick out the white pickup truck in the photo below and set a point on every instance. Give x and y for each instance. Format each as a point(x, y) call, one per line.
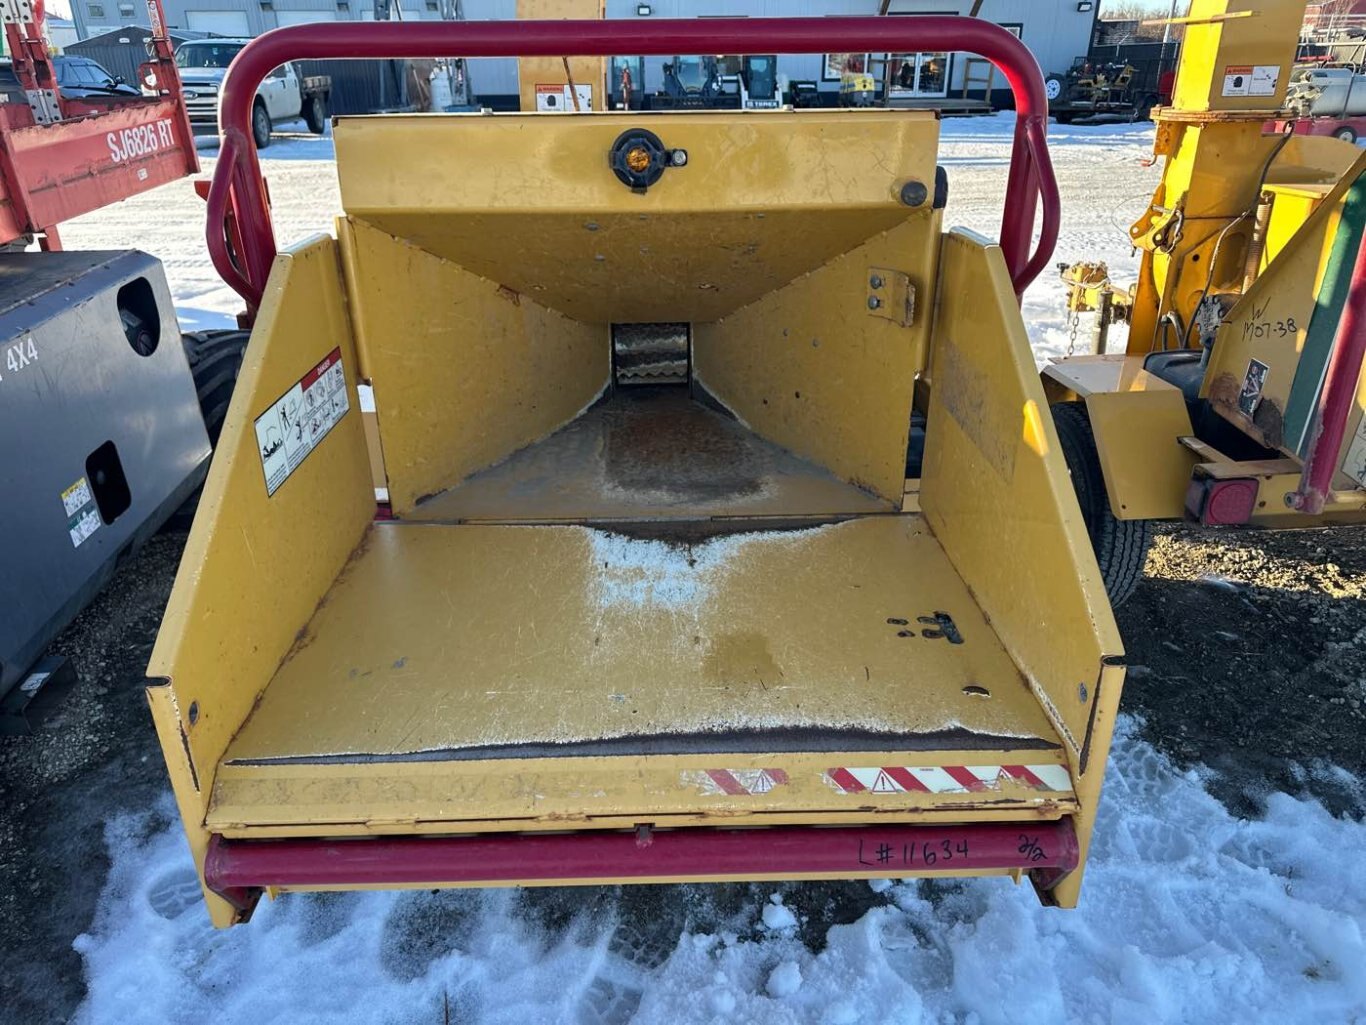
point(285, 95)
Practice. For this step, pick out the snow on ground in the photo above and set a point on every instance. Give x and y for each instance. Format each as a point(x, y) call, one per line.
point(1188, 914)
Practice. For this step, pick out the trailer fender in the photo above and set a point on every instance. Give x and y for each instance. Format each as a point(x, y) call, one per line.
point(1138, 420)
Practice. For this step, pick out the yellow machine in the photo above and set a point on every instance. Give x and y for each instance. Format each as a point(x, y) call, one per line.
point(1239, 399)
point(857, 89)
point(654, 575)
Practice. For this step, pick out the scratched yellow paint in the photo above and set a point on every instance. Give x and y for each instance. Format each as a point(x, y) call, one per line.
point(256, 565)
point(1005, 513)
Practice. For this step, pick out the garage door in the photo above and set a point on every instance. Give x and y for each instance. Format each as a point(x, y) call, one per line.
point(224, 23)
point(283, 18)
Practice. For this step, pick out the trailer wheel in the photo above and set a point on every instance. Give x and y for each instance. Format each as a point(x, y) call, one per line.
point(1120, 545)
point(260, 125)
point(1346, 133)
point(315, 114)
point(1064, 117)
point(215, 359)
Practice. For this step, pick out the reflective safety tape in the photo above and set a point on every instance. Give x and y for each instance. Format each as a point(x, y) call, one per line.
point(946, 779)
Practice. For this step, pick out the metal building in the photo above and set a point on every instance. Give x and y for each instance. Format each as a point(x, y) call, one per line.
point(1056, 30)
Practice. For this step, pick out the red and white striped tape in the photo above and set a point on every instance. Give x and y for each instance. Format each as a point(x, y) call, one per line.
point(946, 779)
point(736, 782)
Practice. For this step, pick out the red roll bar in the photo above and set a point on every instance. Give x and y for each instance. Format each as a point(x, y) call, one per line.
point(238, 190)
point(238, 870)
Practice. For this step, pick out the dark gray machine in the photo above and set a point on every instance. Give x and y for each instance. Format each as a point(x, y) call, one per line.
point(105, 437)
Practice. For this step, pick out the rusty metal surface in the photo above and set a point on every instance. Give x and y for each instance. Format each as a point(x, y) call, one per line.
point(649, 453)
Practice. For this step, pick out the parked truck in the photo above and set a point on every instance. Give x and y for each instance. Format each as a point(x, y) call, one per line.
point(284, 95)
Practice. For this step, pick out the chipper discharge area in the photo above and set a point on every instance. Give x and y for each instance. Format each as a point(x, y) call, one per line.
point(654, 598)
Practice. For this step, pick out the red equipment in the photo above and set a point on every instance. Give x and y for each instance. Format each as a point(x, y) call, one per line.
point(60, 158)
point(241, 241)
point(237, 870)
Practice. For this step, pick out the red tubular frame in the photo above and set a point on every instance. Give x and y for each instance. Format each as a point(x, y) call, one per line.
point(1339, 392)
point(238, 870)
point(237, 182)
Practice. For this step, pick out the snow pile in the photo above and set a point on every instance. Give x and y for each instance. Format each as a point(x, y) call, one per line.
point(1188, 914)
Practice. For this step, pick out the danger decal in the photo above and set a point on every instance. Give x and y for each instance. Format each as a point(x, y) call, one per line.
point(946, 779)
point(298, 421)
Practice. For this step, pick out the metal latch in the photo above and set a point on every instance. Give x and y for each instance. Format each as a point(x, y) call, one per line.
point(891, 295)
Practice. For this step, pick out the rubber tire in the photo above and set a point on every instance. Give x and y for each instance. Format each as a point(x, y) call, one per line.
point(1065, 117)
point(215, 359)
point(1121, 546)
point(1346, 133)
point(315, 115)
point(260, 125)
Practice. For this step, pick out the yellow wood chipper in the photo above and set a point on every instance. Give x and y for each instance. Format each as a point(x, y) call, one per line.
point(654, 596)
point(1239, 399)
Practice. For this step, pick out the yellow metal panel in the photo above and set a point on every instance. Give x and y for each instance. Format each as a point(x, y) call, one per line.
point(531, 203)
point(465, 372)
point(813, 368)
point(1222, 42)
point(1137, 419)
point(1146, 468)
point(1270, 321)
point(479, 638)
point(995, 490)
point(556, 793)
point(532, 71)
point(1104, 375)
point(255, 565)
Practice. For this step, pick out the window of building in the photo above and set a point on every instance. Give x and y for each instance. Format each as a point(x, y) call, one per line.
point(96, 10)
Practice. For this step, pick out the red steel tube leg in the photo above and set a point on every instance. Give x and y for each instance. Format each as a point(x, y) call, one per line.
point(1335, 402)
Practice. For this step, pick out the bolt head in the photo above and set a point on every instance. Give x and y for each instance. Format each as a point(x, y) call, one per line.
point(874, 302)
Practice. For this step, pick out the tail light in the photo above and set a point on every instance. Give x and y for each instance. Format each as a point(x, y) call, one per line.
point(1221, 502)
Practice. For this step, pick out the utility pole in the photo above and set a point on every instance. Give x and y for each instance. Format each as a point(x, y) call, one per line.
point(1167, 26)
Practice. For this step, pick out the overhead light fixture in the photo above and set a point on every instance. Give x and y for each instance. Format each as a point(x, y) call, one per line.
point(644, 10)
point(1085, 5)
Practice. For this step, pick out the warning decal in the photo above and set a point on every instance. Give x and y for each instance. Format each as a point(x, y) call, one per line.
point(1253, 383)
point(1251, 79)
point(945, 779)
point(735, 782)
point(291, 428)
point(82, 517)
point(1356, 454)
